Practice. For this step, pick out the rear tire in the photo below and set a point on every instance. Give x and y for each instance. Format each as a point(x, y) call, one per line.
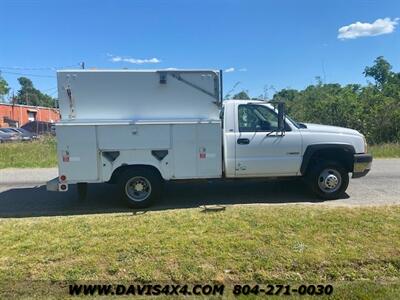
point(328, 180)
point(139, 186)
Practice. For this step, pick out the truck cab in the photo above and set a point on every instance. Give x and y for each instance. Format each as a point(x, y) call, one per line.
point(255, 145)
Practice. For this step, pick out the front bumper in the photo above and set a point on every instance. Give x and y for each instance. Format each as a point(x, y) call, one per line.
point(362, 165)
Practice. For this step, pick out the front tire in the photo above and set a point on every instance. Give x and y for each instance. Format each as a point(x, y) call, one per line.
point(139, 187)
point(328, 180)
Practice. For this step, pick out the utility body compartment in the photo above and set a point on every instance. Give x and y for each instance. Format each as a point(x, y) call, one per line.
point(167, 119)
point(92, 151)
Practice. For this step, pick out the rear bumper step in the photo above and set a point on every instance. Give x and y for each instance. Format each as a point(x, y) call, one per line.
point(55, 185)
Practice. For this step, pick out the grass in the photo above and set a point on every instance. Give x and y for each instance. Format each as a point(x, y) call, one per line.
point(385, 150)
point(357, 250)
point(40, 153)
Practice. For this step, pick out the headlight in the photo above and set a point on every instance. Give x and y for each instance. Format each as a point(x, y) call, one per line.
point(365, 145)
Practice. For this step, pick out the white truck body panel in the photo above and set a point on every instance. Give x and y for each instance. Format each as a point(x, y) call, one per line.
point(77, 152)
point(268, 154)
point(127, 137)
point(272, 155)
point(194, 149)
point(137, 95)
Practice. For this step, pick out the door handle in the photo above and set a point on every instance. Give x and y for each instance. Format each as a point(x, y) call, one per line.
point(243, 141)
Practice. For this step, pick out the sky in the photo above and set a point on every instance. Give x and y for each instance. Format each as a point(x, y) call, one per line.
point(262, 46)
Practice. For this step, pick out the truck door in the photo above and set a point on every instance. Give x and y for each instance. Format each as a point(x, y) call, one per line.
point(260, 150)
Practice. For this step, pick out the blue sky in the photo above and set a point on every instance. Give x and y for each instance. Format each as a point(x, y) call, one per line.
point(268, 43)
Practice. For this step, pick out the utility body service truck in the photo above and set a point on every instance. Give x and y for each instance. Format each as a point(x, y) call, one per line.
point(139, 129)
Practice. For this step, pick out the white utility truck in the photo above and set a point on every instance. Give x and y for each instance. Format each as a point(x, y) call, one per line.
point(140, 128)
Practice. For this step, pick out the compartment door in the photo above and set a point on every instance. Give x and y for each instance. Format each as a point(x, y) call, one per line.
point(77, 153)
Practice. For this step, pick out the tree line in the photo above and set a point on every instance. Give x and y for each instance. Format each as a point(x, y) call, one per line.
point(27, 94)
point(373, 109)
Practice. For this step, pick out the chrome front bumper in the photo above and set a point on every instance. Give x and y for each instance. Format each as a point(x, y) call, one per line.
point(362, 165)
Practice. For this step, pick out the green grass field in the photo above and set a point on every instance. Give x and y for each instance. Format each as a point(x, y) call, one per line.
point(42, 153)
point(385, 150)
point(357, 250)
point(36, 154)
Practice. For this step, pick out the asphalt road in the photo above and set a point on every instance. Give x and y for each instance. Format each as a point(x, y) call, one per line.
point(23, 193)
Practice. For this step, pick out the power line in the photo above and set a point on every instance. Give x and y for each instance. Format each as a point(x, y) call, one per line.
point(26, 74)
point(52, 88)
point(27, 69)
point(39, 69)
point(53, 93)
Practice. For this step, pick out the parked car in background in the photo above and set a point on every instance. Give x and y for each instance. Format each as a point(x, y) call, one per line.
point(25, 134)
point(13, 132)
point(7, 136)
point(28, 133)
point(39, 127)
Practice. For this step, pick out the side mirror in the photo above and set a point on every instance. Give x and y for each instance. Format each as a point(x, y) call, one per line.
point(281, 116)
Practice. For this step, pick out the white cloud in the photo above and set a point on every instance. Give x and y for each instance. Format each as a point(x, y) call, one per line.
point(358, 29)
point(136, 61)
point(232, 69)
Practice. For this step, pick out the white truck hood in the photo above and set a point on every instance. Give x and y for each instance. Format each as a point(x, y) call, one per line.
point(330, 129)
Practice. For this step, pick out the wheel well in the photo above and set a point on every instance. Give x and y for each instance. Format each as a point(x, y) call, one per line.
point(342, 155)
point(121, 169)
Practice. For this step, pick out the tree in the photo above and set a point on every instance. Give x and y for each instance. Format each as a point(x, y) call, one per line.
point(241, 95)
point(374, 110)
point(4, 88)
point(380, 71)
point(30, 96)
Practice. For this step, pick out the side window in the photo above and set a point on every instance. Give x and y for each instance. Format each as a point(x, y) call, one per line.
point(254, 118)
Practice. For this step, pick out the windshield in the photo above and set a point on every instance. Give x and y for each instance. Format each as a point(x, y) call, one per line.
point(7, 130)
point(296, 124)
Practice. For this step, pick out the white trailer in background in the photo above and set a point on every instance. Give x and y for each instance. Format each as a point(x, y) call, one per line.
point(139, 128)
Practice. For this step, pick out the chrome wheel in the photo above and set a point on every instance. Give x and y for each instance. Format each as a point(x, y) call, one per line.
point(138, 188)
point(329, 180)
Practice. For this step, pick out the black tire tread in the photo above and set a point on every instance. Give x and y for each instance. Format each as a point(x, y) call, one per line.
point(152, 176)
point(313, 173)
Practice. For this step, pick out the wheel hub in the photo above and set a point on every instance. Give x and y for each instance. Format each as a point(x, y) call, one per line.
point(138, 187)
point(331, 181)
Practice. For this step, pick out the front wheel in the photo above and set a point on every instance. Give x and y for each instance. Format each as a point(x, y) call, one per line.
point(329, 180)
point(139, 187)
